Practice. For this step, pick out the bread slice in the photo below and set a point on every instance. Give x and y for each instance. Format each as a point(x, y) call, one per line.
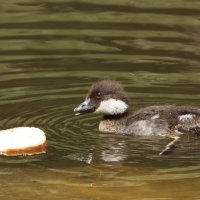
point(22, 141)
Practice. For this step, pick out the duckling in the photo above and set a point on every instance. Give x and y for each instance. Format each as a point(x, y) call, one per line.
point(107, 97)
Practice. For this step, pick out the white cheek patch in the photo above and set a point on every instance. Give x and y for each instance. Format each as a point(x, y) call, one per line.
point(155, 117)
point(186, 117)
point(112, 107)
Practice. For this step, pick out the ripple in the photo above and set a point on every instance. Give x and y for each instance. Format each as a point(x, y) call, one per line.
point(50, 107)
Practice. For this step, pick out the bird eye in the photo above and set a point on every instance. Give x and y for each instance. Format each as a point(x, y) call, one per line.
point(98, 95)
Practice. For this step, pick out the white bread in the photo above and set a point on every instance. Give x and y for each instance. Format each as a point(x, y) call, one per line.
point(22, 141)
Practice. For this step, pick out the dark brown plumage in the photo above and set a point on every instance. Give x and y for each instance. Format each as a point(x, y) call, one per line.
point(106, 89)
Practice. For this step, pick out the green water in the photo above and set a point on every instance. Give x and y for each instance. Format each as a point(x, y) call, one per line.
point(51, 52)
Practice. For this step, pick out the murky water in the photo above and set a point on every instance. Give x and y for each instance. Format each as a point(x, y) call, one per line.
point(50, 53)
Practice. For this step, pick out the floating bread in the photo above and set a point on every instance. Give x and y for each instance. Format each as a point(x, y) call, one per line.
point(22, 141)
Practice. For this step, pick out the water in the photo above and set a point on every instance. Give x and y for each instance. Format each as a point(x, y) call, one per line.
point(51, 52)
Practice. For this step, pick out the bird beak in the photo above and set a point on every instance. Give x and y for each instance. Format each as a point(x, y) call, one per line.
point(85, 107)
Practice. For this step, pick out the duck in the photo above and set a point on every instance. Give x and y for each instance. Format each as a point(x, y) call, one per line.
point(108, 97)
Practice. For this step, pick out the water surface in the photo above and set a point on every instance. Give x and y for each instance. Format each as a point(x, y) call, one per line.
point(51, 52)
